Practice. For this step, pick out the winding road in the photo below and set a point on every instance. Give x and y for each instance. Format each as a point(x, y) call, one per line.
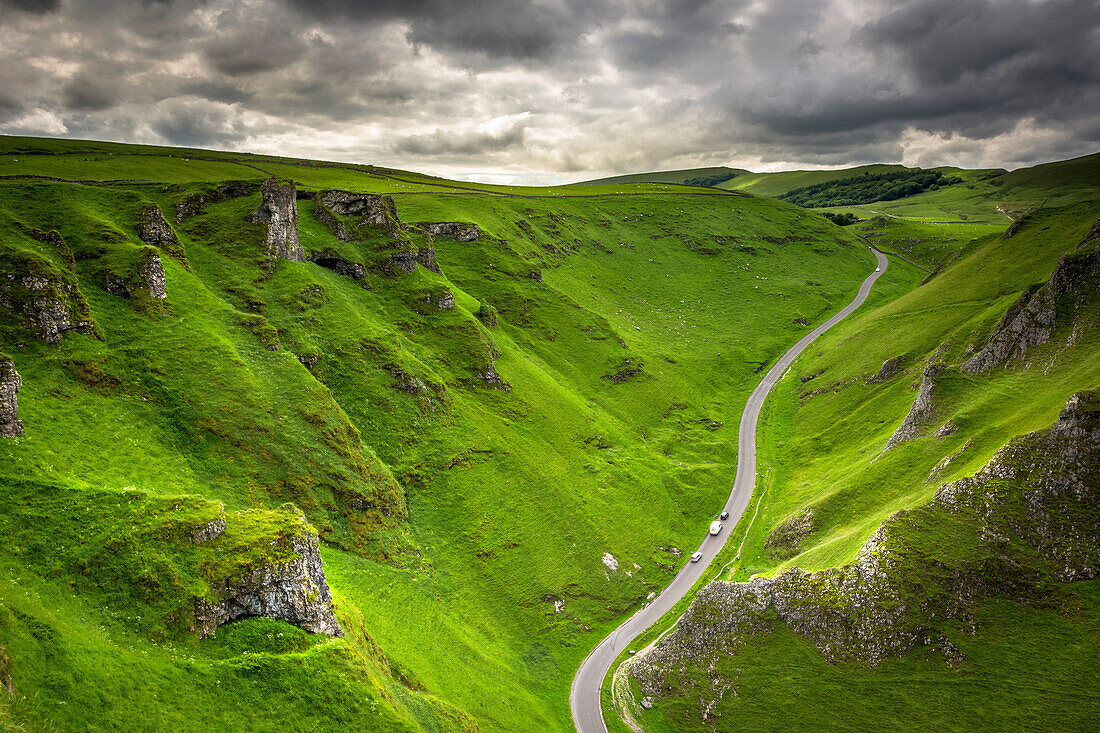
point(584, 696)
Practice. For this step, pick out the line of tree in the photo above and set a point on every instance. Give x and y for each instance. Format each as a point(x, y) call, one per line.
point(709, 181)
point(869, 187)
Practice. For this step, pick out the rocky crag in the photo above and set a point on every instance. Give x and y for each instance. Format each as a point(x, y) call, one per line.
point(10, 384)
point(923, 411)
point(279, 211)
point(1041, 309)
point(295, 591)
point(147, 278)
point(456, 230)
point(1020, 527)
point(43, 297)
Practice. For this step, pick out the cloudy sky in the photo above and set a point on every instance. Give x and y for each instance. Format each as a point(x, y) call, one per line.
point(559, 90)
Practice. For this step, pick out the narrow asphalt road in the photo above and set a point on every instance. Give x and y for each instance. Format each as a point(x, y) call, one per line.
point(584, 696)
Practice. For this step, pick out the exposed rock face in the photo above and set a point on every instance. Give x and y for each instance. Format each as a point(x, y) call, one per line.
point(212, 530)
point(404, 261)
point(295, 591)
point(372, 208)
point(426, 257)
point(193, 205)
point(10, 384)
point(49, 300)
point(446, 301)
point(1032, 319)
point(151, 274)
point(154, 230)
point(489, 377)
point(279, 211)
point(339, 265)
point(148, 277)
point(407, 382)
point(1093, 234)
point(1027, 520)
point(452, 229)
point(536, 275)
point(923, 410)
point(889, 369)
point(309, 360)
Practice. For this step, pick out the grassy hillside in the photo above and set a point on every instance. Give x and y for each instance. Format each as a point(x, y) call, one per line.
point(827, 484)
point(467, 467)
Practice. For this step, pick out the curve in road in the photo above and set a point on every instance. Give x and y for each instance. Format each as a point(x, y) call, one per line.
point(584, 695)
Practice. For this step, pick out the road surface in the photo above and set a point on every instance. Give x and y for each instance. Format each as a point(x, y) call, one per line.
point(584, 696)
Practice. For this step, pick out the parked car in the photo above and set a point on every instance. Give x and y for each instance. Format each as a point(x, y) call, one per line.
point(696, 557)
point(715, 527)
point(724, 515)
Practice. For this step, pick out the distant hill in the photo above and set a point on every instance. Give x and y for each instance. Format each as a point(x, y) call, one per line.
point(685, 176)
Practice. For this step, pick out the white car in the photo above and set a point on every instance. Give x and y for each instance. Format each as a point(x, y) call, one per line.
point(715, 527)
point(696, 557)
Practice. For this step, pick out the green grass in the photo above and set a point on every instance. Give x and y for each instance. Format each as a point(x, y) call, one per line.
point(823, 432)
point(454, 515)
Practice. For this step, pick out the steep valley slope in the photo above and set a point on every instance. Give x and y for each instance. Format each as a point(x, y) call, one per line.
point(924, 550)
point(296, 445)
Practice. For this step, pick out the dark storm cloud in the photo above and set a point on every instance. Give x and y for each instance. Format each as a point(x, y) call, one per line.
point(31, 6)
point(516, 29)
point(565, 85)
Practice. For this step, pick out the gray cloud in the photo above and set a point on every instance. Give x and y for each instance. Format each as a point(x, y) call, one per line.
point(461, 144)
point(538, 89)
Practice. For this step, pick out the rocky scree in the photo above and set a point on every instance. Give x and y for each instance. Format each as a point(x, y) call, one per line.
point(1029, 520)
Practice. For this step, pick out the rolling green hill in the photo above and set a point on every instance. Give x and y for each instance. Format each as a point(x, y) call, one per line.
point(498, 412)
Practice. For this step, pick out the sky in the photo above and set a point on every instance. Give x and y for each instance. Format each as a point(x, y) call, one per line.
point(564, 90)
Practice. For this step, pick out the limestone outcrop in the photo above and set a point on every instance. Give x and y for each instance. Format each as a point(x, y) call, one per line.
point(10, 384)
point(295, 591)
point(1033, 318)
point(154, 230)
point(923, 410)
point(148, 278)
point(332, 261)
point(457, 230)
point(1055, 512)
point(889, 369)
point(47, 299)
point(371, 208)
point(279, 211)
